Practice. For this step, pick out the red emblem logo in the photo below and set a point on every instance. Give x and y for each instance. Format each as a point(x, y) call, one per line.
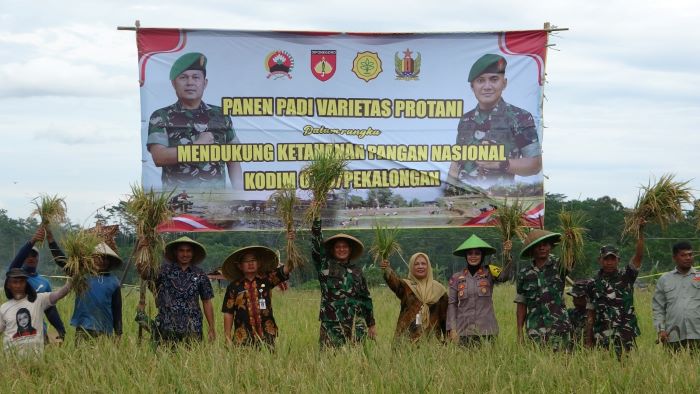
point(279, 64)
point(323, 64)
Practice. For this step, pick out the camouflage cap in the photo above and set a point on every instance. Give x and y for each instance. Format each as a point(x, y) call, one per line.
point(489, 63)
point(188, 61)
point(266, 257)
point(579, 288)
point(608, 250)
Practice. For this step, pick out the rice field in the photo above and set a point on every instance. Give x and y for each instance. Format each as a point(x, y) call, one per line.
point(107, 366)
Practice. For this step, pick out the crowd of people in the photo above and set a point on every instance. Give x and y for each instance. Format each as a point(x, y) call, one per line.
point(603, 315)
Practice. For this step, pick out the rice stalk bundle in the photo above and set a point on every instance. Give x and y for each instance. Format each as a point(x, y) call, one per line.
point(285, 200)
point(79, 247)
point(510, 223)
point(146, 210)
point(385, 242)
point(659, 203)
point(50, 209)
point(573, 230)
point(323, 171)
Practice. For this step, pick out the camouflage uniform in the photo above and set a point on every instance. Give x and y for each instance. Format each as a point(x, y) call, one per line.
point(173, 125)
point(346, 306)
point(611, 297)
point(578, 324)
point(505, 124)
point(542, 292)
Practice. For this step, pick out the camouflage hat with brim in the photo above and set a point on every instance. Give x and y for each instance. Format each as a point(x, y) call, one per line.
point(188, 61)
point(266, 257)
point(474, 242)
point(356, 246)
point(105, 251)
point(198, 251)
point(536, 236)
point(489, 63)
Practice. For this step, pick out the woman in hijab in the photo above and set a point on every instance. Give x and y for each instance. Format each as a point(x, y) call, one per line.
point(470, 315)
point(423, 300)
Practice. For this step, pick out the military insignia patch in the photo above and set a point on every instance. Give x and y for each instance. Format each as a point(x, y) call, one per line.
point(483, 290)
point(367, 65)
point(408, 67)
point(323, 64)
point(279, 64)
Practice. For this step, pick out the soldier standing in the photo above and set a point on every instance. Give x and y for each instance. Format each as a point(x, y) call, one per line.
point(346, 307)
point(494, 121)
point(577, 314)
point(612, 321)
point(540, 293)
point(190, 121)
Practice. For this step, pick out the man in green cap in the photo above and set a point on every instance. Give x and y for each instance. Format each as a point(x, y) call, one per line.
point(612, 321)
point(540, 293)
point(190, 121)
point(495, 122)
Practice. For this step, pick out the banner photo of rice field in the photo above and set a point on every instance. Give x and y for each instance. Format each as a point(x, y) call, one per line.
point(436, 130)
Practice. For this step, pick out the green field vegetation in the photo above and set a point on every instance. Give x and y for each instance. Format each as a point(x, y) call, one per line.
point(106, 366)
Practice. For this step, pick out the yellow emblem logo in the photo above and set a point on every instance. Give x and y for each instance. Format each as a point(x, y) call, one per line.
point(367, 65)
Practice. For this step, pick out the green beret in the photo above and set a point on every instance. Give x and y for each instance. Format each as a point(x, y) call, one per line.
point(489, 63)
point(188, 61)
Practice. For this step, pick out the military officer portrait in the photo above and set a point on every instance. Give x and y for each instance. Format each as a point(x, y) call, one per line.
point(494, 121)
point(191, 121)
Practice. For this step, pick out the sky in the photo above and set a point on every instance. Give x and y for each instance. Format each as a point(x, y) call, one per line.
point(622, 103)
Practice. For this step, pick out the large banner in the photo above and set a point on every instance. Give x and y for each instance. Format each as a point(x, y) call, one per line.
point(438, 129)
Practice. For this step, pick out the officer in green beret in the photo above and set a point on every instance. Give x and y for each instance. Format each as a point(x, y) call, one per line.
point(495, 122)
point(190, 121)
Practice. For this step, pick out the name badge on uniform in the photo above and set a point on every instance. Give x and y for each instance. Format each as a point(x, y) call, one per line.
point(261, 301)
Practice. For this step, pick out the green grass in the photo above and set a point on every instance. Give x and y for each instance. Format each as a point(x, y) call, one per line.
point(297, 365)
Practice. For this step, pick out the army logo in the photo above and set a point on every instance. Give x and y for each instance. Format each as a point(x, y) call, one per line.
point(367, 65)
point(323, 64)
point(408, 68)
point(280, 64)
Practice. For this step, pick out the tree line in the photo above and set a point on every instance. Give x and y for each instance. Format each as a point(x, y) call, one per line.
point(605, 217)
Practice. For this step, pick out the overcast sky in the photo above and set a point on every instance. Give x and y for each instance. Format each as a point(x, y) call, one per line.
point(622, 98)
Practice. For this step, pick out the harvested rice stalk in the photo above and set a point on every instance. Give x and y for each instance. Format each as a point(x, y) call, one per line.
point(146, 210)
point(323, 172)
point(285, 200)
point(573, 230)
point(659, 203)
point(51, 209)
point(79, 247)
point(509, 223)
point(385, 242)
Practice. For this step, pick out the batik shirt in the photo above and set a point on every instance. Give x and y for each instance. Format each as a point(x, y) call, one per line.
point(506, 125)
point(173, 125)
point(611, 297)
point(344, 293)
point(177, 298)
point(250, 303)
point(542, 292)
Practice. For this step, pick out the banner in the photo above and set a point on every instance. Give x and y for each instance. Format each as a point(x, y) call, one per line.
point(438, 129)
